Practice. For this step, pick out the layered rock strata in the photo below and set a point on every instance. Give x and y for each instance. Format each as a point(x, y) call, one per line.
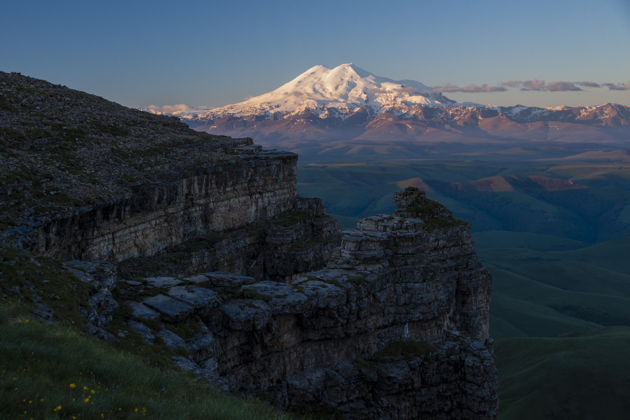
point(394, 326)
point(195, 249)
point(220, 196)
point(300, 239)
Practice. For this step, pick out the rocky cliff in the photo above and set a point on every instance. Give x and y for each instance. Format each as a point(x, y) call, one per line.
point(197, 249)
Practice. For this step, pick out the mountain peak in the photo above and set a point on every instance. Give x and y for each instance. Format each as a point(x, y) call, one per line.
point(318, 68)
point(351, 67)
point(345, 88)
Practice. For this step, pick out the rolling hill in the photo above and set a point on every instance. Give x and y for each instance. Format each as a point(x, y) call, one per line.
point(555, 236)
point(578, 376)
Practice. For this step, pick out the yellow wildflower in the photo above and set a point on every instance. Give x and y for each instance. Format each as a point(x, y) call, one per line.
point(86, 400)
point(92, 392)
point(72, 386)
point(58, 408)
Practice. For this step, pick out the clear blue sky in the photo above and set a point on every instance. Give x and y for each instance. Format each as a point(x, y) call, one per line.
point(218, 52)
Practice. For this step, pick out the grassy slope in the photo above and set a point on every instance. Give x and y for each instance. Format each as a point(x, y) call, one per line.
point(499, 239)
point(546, 293)
point(566, 287)
point(575, 377)
point(38, 364)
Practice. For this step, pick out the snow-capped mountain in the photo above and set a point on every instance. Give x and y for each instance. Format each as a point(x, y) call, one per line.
point(343, 89)
point(347, 108)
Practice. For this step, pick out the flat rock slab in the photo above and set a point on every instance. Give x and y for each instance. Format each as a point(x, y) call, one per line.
point(198, 297)
point(162, 282)
point(99, 273)
point(142, 311)
point(171, 339)
point(282, 297)
point(185, 363)
point(171, 308)
point(205, 341)
point(322, 292)
point(133, 283)
point(199, 279)
point(143, 330)
point(218, 279)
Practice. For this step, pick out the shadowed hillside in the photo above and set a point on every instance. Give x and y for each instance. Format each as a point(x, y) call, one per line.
point(555, 236)
point(582, 376)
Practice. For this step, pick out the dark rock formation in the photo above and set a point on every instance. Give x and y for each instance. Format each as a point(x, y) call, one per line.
point(298, 240)
point(213, 260)
point(213, 198)
point(395, 325)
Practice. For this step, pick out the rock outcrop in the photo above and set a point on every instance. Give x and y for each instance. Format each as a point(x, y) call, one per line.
point(197, 248)
point(212, 198)
point(298, 240)
point(395, 325)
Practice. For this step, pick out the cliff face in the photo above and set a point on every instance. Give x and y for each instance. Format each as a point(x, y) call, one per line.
point(394, 327)
point(225, 195)
point(297, 240)
point(213, 261)
point(391, 323)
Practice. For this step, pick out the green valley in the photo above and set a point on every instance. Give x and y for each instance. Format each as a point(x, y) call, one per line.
point(555, 236)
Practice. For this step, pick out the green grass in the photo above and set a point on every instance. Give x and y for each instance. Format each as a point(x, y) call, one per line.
point(40, 363)
point(583, 376)
point(36, 279)
point(129, 377)
point(538, 293)
point(433, 213)
point(501, 239)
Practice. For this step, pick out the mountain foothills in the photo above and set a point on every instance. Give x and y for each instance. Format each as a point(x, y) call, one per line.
point(346, 111)
point(177, 267)
point(554, 233)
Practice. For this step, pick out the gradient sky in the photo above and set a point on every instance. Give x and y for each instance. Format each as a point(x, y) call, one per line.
point(219, 52)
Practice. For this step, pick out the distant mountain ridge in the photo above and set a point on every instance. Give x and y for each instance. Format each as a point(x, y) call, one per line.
point(347, 104)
